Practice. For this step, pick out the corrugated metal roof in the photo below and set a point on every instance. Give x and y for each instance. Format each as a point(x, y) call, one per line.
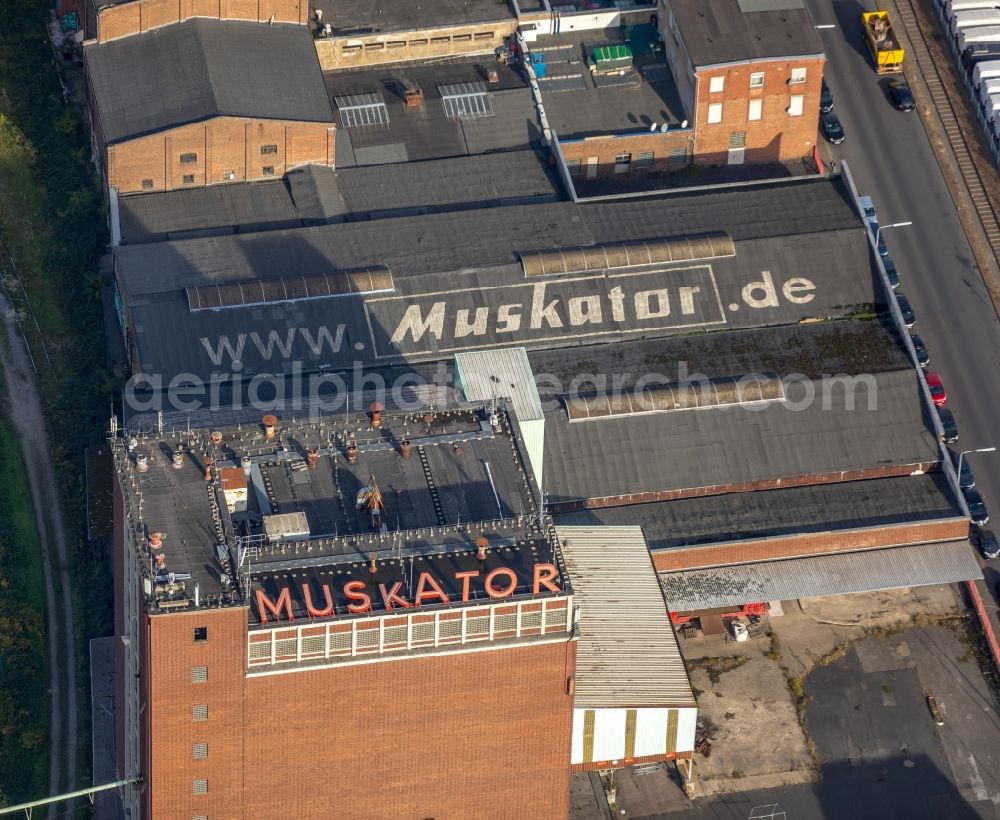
point(514, 379)
point(627, 653)
point(842, 574)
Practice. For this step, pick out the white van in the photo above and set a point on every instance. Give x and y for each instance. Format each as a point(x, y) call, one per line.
point(973, 18)
point(986, 34)
point(981, 72)
point(991, 106)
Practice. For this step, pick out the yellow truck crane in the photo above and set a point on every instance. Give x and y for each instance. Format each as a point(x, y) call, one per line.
point(885, 48)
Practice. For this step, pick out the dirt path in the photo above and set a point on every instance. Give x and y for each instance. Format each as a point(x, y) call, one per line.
point(28, 423)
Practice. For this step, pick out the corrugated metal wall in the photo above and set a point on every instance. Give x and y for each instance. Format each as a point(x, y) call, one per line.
point(622, 734)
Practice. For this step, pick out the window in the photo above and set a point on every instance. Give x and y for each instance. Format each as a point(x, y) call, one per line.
point(466, 100)
point(200, 634)
point(188, 159)
point(418, 43)
point(199, 751)
point(188, 179)
point(199, 674)
point(738, 139)
point(573, 166)
point(622, 162)
point(268, 149)
point(200, 817)
point(798, 76)
point(484, 35)
point(757, 79)
point(268, 170)
point(756, 107)
point(462, 38)
point(715, 84)
point(644, 160)
point(147, 184)
point(374, 46)
point(396, 44)
point(199, 786)
point(199, 712)
point(795, 105)
point(714, 113)
point(678, 156)
point(362, 109)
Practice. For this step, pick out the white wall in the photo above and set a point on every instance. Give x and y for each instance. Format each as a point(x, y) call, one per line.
point(650, 733)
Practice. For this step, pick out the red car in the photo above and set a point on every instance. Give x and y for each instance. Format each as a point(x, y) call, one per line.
point(938, 394)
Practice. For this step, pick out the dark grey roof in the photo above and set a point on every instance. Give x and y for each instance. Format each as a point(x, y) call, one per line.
point(583, 107)
point(842, 574)
point(451, 266)
point(720, 31)
point(413, 134)
point(317, 194)
point(198, 69)
point(375, 16)
point(772, 513)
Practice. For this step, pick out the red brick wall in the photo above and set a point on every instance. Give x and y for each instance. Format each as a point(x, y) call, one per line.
point(474, 735)
point(776, 135)
point(817, 543)
point(220, 146)
point(168, 724)
point(138, 16)
point(605, 149)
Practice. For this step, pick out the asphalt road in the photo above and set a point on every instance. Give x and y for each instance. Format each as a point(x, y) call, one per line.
point(891, 160)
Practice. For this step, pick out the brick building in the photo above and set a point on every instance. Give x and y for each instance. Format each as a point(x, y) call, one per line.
point(297, 599)
point(249, 105)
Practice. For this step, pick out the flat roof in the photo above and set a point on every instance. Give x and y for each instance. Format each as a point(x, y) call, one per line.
point(579, 103)
point(318, 194)
point(627, 654)
point(365, 17)
point(840, 574)
point(802, 229)
point(728, 31)
point(842, 505)
point(405, 134)
point(198, 69)
point(464, 477)
point(716, 447)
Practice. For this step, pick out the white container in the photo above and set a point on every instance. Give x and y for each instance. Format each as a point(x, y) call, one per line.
point(973, 18)
point(988, 89)
point(991, 105)
point(951, 6)
point(986, 34)
point(985, 71)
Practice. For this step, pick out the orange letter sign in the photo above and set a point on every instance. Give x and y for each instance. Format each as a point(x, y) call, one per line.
point(284, 602)
point(544, 575)
point(313, 611)
point(435, 590)
point(501, 593)
point(355, 591)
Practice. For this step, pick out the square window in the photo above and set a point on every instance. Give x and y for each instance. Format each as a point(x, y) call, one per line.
point(200, 634)
point(199, 751)
point(573, 166)
point(795, 105)
point(147, 184)
point(199, 786)
point(715, 84)
point(188, 179)
point(268, 170)
point(199, 674)
point(714, 113)
point(644, 160)
point(199, 712)
point(757, 79)
point(798, 76)
point(188, 159)
point(756, 109)
point(268, 149)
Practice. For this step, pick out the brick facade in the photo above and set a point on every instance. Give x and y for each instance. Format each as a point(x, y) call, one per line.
point(137, 16)
point(422, 44)
point(596, 157)
point(458, 735)
point(813, 543)
point(777, 135)
point(224, 149)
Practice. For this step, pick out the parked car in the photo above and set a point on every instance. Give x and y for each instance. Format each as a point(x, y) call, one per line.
point(833, 131)
point(923, 357)
point(891, 273)
point(966, 478)
point(900, 94)
point(909, 317)
point(977, 508)
point(825, 99)
point(948, 425)
point(986, 542)
point(938, 394)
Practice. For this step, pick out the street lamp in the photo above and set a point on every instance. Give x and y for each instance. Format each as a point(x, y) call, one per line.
point(881, 228)
point(964, 453)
